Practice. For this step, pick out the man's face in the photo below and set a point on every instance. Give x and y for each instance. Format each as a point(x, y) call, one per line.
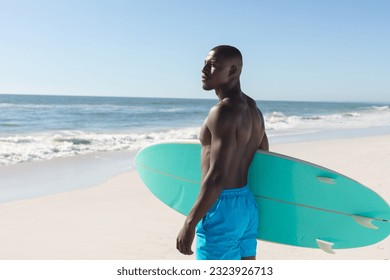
point(215, 72)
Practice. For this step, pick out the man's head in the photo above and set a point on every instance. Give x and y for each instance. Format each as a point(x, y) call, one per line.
point(222, 66)
point(228, 52)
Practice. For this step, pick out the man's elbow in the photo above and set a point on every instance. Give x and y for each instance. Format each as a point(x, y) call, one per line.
point(264, 145)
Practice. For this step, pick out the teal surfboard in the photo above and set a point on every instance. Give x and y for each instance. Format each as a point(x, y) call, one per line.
point(299, 203)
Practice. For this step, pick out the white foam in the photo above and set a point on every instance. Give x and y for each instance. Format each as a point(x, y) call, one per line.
point(379, 108)
point(26, 148)
point(279, 123)
point(43, 146)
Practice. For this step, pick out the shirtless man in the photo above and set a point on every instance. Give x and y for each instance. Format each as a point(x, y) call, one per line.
point(224, 215)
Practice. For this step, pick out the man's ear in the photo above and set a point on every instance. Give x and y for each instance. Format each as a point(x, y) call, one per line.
point(233, 70)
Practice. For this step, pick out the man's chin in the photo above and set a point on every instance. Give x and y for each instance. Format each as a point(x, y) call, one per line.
point(205, 87)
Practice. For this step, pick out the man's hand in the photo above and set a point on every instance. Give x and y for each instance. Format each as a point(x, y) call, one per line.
point(184, 240)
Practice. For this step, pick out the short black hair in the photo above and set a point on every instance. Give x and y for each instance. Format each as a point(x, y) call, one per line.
point(226, 51)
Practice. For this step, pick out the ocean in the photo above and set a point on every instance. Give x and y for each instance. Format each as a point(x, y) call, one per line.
point(39, 128)
point(52, 144)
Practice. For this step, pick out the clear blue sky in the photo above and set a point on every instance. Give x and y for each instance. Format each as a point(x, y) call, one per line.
point(316, 50)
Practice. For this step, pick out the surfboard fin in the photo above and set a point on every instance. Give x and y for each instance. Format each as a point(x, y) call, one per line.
point(325, 246)
point(364, 221)
point(326, 180)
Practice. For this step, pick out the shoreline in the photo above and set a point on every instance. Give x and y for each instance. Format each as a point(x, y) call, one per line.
point(35, 179)
point(121, 219)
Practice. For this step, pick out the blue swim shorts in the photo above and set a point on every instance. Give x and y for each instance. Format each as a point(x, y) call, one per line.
point(228, 231)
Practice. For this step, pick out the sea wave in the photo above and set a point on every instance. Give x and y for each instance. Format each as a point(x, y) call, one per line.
point(18, 149)
point(278, 120)
point(371, 116)
point(41, 128)
point(380, 108)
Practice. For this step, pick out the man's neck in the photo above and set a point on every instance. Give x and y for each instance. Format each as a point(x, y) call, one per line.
point(229, 91)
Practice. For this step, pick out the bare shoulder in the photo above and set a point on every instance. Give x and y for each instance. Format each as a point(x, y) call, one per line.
point(223, 114)
point(252, 103)
point(253, 106)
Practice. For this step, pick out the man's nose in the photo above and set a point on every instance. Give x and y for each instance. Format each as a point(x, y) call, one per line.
point(205, 69)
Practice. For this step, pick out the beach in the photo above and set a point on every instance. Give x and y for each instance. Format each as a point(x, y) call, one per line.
point(121, 220)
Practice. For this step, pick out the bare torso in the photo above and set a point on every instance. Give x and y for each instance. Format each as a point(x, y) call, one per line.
point(230, 136)
point(249, 132)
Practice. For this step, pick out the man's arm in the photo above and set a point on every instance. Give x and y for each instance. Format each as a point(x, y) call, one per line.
point(221, 124)
point(264, 145)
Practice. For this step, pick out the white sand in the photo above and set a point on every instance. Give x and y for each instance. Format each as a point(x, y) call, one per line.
point(121, 219)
